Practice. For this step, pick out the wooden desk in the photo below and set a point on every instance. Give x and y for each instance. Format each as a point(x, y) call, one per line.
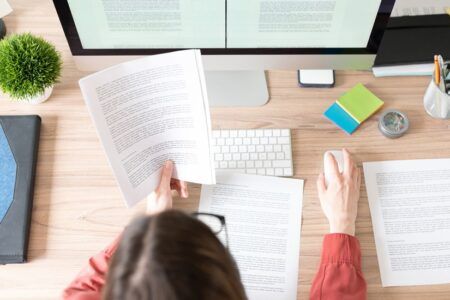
point(78, 209)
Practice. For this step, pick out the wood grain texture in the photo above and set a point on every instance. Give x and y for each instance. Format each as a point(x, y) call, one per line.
point(78, 209)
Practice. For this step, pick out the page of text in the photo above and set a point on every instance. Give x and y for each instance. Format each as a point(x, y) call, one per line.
point(159, 24)
point(300, 24)
point(263, 218)
point(410, 208)
point(148, 111)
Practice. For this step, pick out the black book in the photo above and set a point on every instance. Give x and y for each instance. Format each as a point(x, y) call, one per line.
point(410, 43)
point(19, 139)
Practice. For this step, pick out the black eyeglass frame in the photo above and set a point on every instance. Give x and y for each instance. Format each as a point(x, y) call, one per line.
point(223, 224)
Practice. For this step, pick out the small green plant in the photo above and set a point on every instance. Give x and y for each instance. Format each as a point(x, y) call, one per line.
point(28, 65)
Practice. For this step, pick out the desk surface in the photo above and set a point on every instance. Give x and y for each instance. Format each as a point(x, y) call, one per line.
point(77, 206)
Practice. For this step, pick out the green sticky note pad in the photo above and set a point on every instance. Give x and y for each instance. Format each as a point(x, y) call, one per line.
point(360, 103)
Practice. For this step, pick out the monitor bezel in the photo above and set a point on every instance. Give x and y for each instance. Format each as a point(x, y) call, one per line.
point(71, 33)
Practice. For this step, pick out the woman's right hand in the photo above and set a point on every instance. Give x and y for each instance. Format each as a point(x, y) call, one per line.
point(339, 200)
point(161, 199)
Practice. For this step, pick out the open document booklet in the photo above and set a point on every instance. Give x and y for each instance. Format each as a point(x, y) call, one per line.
point(148, 111)
point(410, 207)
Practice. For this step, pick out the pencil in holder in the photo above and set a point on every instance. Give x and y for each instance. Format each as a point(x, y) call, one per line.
point(436, 101)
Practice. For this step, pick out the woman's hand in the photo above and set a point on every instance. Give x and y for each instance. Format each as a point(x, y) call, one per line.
point(339, 200)
point(161, 198)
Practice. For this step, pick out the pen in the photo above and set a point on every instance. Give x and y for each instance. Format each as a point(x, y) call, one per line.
point(437, 76)
point(441, 74)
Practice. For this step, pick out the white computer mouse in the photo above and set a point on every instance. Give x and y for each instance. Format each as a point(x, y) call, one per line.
point(339, 156)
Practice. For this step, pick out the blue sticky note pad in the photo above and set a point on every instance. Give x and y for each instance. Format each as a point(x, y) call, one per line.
point(8, 168)
point(339, 117)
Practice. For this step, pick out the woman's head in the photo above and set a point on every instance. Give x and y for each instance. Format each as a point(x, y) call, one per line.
point(172, 256)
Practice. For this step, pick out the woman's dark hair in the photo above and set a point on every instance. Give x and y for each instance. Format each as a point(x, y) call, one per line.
point(172, 255)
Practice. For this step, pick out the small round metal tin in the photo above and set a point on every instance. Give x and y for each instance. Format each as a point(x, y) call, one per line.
point(393, 124)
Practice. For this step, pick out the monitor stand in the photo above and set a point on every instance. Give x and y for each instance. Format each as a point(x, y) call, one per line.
point(236, 88)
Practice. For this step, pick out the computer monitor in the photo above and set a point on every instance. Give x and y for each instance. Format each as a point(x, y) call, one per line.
point(239, 39)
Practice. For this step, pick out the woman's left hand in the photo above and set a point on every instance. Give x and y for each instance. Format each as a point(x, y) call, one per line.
point(161, 199)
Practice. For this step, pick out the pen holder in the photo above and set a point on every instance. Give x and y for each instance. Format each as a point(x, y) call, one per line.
point(436, 102)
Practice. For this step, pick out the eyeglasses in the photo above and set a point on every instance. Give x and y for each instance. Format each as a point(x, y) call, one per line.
point(216, 223)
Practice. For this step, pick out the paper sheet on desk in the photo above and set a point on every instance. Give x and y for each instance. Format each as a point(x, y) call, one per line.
point(5, 8)
point(419, 7)
point(263, 217)
point(410, 208)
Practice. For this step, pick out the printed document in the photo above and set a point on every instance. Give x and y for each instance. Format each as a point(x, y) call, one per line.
point(5, 8)
point(410, 208)
point(420, 7)
point(148, 111)
point(263, 218)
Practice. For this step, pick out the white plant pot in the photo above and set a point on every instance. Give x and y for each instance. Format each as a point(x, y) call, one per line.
point(41, 97)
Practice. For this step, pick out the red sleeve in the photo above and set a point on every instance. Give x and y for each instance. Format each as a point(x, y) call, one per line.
point(89, 282)
point(339, 275)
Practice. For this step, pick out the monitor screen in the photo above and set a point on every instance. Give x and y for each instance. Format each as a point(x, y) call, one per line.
point(220, 25)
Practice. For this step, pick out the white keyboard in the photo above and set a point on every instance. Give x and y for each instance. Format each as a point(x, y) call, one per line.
point(253, 151)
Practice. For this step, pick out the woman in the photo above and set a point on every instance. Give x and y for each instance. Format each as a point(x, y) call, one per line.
point(172, 255)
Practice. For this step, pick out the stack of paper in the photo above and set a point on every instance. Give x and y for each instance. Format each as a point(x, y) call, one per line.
point(353, 108)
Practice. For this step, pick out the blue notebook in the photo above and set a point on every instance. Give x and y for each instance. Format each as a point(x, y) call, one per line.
point(339, 117)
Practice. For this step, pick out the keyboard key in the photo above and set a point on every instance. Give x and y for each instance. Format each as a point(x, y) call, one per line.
point(242, 133)
point(216, 164)
point(241, 164)
point(255, 141)
point(281, 164)
point(276, 132)
point(251, 148)
point(238, 141)
point(245, 156)
point(285, 132)
point(232, 165)
point(218, 156)
point(278, 172)
point(234, 149)
point(287, 172)
point(236, 156)
point(268, 132)
point(216, 149)
point(283, 140)
point(260, 148)
point(264, 141)
point(287, 155)
point(242, 149)
point(277, 148)
point(220, 141)
point(259, 133)
point(229, 141)
point(227, 156)
point(267, 164)
point(251, 133)
point(258, 164)
point(233, 133)
point(225, 149)
point(270, 171)
point(249, 164)
point(262, 156)
point(216, 133)
point(224, 133)
point(261, 171)
point(272, 140)
point(253, 156)
point(246, 141)
point(280, 155)
point(223, 164)
point(268, 148)
point(271, 156)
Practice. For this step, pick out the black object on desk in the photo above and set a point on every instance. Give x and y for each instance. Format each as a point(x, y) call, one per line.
point(2, 29)
point(414, 40)
point(19, 139)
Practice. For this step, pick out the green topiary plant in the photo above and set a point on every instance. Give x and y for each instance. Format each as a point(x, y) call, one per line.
point(28, 65)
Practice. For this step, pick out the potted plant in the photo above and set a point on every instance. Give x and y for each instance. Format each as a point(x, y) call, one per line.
point(29, 67)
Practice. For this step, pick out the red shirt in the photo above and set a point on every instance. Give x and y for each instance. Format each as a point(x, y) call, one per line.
point(339, 275)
